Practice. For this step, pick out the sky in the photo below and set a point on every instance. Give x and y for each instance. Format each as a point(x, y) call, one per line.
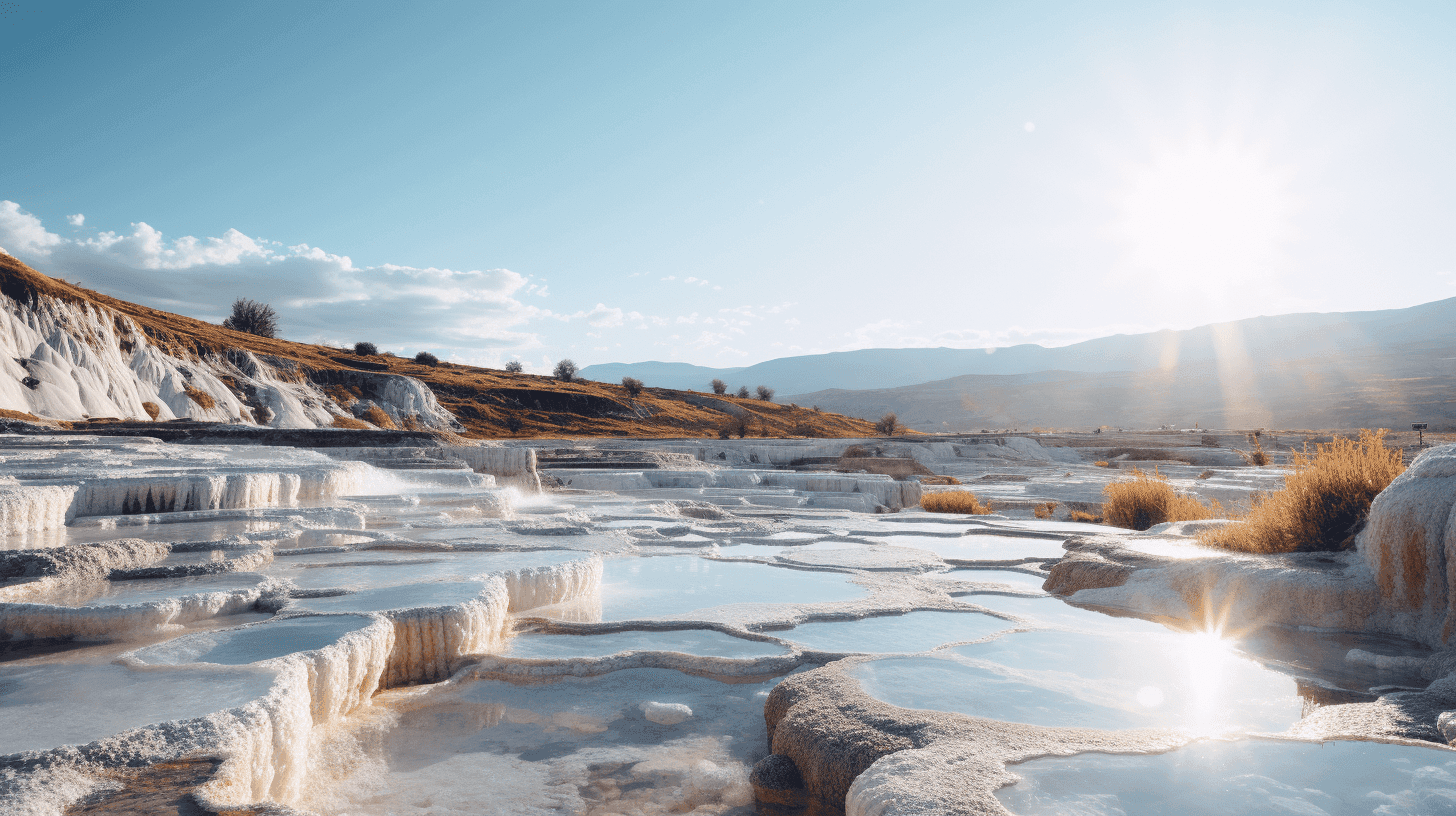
point(724, 183)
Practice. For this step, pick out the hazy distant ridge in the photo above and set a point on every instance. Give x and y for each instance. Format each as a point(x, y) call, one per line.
point(1306, 336)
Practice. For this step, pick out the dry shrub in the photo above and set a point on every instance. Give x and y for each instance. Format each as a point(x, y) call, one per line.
point(1328, 493)
point(350, 423)
point(153, 410)
point(1078, 515)
point(1101, 464)
point(376, 415)
point(1148, 499)
point(1044, 510)
point(958, 501)
point(199, 396)
point(1207, 474)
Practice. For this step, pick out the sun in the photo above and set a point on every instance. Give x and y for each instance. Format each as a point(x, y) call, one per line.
point(1203, 209)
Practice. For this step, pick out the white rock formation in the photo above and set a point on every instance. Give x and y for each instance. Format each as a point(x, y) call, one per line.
point(63, 360)
point(1408, 546)
point(666, 713)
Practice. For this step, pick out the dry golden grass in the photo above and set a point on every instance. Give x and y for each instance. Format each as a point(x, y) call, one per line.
point(153, 410)
point(376, 415)
point(199, 396)
point(958, 501)
point(1078, 515)
point(351, 423)
point(1044, 510)
point(1148, 499)
point(1326, 495)
point(6, 413)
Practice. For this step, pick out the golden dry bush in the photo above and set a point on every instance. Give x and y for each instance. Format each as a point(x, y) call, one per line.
point(376, 415)
point(1148, 499)
point(1100, 464)
point(153, 410)
point(955, 501)
point(351, 423)
point(1078, 515)
point(1327, 493)
point(1044, 510)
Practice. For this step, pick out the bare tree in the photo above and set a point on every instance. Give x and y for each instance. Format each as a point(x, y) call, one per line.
point(565, 371)
point(742, 392)
point(633, 386)
point(515, 367)
point(888, 424)
point(719, 387)
point(252, 317)
point(765, 393)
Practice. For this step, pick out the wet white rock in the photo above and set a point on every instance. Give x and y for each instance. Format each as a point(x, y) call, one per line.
point(666, 713)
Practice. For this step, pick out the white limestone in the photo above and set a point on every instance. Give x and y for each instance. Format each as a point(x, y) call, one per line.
point(65, 360)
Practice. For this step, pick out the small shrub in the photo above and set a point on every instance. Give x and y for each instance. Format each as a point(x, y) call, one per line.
point(765, 393)
point(202, 398)
point(633, 386)
point(957, 501)
point(1044, 510)
point(816, 409)
point(1322, 501)
point(365, 349)
point(426, 358)
point(1079, 515)
point(888, 424)
point(742, 392)
point(719, 387)
point(252, 317)
point(733, 426)
point(1148, 499)
point(515, 367)
point(1098, 463)
point(153, 410)
point(376, 415)
point(351, 423)
point(565, 371)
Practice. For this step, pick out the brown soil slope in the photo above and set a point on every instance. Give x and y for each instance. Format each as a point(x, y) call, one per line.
point(486, 401)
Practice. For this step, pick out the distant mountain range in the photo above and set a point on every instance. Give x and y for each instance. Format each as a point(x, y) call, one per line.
point(1342, 369)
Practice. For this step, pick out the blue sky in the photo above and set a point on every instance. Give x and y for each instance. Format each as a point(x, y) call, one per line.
point(723, 183)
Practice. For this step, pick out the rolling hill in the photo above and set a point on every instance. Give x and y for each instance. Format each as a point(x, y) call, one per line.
point(70, 354)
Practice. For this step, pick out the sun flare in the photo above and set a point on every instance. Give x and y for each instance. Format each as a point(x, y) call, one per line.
point(1206, 209)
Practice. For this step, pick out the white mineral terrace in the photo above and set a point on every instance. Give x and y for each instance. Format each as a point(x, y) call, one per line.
point(344, 638)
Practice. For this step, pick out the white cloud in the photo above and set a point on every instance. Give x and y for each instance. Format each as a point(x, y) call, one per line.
point(472, 316)
point(76, 220)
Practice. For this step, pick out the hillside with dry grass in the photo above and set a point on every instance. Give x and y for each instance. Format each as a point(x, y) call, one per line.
point(487, 402)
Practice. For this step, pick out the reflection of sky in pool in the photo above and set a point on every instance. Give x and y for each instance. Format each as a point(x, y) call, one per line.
point(649, 587)
point(915, 632)
point(48, 705)
point(1254, 777)
point(1167, 679)
point(1017, 580)
point(249, 644)
point(688, 641)
point(980, 547)
point(379, 568)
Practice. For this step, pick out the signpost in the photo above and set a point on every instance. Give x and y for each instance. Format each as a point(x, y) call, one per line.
point(1420, 429)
